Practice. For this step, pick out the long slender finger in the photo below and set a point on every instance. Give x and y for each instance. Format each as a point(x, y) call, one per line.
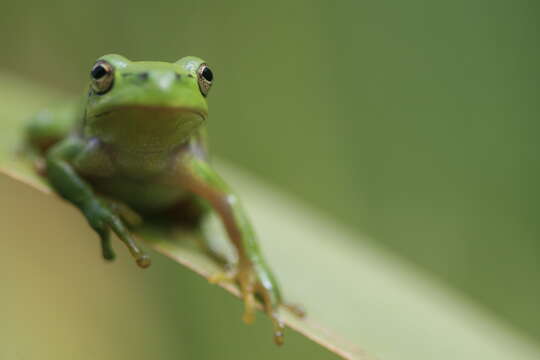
point(106, 249)
point(296, 309)
point(271, 310)
point(279, 328)
point(249, 308)
point(119, 229)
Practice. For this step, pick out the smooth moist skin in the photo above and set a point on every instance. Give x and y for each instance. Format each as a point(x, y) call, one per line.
point(136, 147)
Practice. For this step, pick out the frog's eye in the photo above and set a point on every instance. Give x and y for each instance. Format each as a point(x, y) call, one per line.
point(102, 75)
point(205, 77)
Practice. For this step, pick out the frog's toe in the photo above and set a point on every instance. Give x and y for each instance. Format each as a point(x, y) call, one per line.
point(257, 281)
point(144, 261)
point(271, 305)
point(279, 328)
point(249, 308)
point(108, 254)
point(297, 309)
point(106, 249)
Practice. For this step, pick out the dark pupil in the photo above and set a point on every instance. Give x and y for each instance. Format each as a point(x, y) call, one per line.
point(98, 72)
point(207, 74)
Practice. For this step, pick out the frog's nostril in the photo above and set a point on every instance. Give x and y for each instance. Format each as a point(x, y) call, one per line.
point(143, 76)
point(177, 76)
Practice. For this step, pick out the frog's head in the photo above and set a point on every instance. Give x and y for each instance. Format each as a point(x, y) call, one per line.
point(147, 101)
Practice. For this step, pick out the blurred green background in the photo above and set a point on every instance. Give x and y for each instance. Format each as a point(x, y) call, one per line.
point(415, 122)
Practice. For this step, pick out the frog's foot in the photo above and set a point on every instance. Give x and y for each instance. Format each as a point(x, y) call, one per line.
point(256, 280)
point(103, 219)
point(297, 309)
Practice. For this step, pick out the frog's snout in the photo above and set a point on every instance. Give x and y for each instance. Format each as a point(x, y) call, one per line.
point(162, 80)
point(166, 80)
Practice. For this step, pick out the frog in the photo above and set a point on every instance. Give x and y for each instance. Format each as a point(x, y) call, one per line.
point(136, 146)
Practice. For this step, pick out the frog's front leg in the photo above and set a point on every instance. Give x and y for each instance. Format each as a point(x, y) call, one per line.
point(252, 274)
point(99, 212)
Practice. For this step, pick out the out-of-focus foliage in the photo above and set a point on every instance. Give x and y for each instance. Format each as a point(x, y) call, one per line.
point(414, 121)
point(65, 303)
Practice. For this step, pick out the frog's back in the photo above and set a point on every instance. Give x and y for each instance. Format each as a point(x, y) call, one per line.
point(50, 125)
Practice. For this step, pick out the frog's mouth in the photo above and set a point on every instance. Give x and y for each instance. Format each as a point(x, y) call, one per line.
point(148, 110)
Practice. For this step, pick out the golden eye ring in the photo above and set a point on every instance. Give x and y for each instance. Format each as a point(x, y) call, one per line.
point(102, 75)
point(205, 78)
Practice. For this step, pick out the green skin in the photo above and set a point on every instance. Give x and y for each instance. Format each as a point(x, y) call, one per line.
point(141, 149)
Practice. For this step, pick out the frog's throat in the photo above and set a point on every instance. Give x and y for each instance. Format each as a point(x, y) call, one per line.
point(144, 128)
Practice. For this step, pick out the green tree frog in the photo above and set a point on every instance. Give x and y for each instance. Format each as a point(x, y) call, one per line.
point(135, 147)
